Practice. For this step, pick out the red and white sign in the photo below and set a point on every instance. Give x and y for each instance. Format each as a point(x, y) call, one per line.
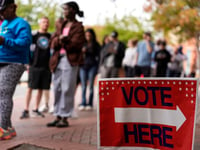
point(147, 114)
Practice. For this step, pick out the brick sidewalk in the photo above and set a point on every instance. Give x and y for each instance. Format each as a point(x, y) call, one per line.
point(80, 135)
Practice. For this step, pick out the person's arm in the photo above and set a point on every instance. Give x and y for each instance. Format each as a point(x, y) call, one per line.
point(136, 57)
point(22, 40)
point(149, 48)
point(75, 40)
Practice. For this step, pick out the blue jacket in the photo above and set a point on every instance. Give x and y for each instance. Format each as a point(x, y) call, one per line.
point(16, 47)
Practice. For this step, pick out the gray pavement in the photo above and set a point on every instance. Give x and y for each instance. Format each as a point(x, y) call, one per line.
point(80, 135)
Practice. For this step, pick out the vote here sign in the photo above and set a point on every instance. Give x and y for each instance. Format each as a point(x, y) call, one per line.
point(147, 113)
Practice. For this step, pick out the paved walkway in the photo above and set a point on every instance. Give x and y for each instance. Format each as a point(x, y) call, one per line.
point(80, 135)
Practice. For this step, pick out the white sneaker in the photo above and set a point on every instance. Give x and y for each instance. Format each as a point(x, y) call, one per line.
point(88, 108)
point(74, 114)
point(44, 108)
point(51, 110)
point(81, 108)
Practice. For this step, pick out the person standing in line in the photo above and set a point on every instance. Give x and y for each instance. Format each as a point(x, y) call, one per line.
point(64, 63)
point(129, 60)
point(15, 41)
point(162, 57)
point(112, 55)
point(175, 67)
point(39, 72)
point(105, 41)
point(144, 51)
point(46, 107)
point(89, 69)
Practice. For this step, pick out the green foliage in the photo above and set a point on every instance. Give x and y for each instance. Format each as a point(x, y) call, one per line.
point(33, 10)
point(181, 17)
point(129, 27)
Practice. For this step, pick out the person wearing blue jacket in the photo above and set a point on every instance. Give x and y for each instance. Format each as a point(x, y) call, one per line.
point(15, 40)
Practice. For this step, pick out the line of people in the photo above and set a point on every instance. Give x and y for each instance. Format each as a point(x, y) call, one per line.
point(18, 45)
point(68, 53)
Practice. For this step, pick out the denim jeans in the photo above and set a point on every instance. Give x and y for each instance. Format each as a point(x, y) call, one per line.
point(87, 75)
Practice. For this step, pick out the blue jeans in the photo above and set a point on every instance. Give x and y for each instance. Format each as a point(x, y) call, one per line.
point(87, 75)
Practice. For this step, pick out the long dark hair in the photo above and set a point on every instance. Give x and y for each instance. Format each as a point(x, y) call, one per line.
point(94, 43)
point(91, 31)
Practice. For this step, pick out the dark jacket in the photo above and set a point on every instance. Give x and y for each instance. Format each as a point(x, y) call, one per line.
point(92, 55)
point(72, 44)
point(118, 56)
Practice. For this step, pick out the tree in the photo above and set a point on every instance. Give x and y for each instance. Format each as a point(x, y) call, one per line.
point(181, 17)
point(128, 27)
point(32, 10)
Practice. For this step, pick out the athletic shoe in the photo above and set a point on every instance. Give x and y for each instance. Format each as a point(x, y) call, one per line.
point(36, 113)
point(25, 114)
point(4, 134)
point(81, 108)
point(12, 132)
point(63, 123)
point(54, 123)
point(88, 107)
point(44, 108)
point(51, 110)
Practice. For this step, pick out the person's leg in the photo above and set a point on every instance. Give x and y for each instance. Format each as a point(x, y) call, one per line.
point(133, 72)
point(25, 113)
point(105, 71)
point(177, 73)
point(92, 75)
point(28, 98)
point(29, 90)
point(45, 86)
point(56, 80)
point(130, 72)
point(83, 77)
point(45, 106)
point(46, 96)
point(146, 71)
point(33, 80)
point(114, 72)
point(9, 77)
point(38, 98)
point(126, 71)
point(65, 104)
point(137, 71)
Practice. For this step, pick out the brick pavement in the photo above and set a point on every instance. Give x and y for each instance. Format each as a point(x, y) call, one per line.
point(80, 135)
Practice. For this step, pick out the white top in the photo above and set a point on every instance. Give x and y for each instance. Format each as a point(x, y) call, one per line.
point(130, 57)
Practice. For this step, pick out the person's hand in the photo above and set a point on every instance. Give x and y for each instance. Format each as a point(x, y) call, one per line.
point(1, 40)
point(148, 38)
point(84, 49)
point(56, 43)
point(63, 38)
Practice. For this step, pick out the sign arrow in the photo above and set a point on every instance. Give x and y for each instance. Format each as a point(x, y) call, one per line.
point(149, 115)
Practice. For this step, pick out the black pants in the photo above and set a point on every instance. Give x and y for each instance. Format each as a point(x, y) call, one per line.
point(142, 70)
point(129, 71)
